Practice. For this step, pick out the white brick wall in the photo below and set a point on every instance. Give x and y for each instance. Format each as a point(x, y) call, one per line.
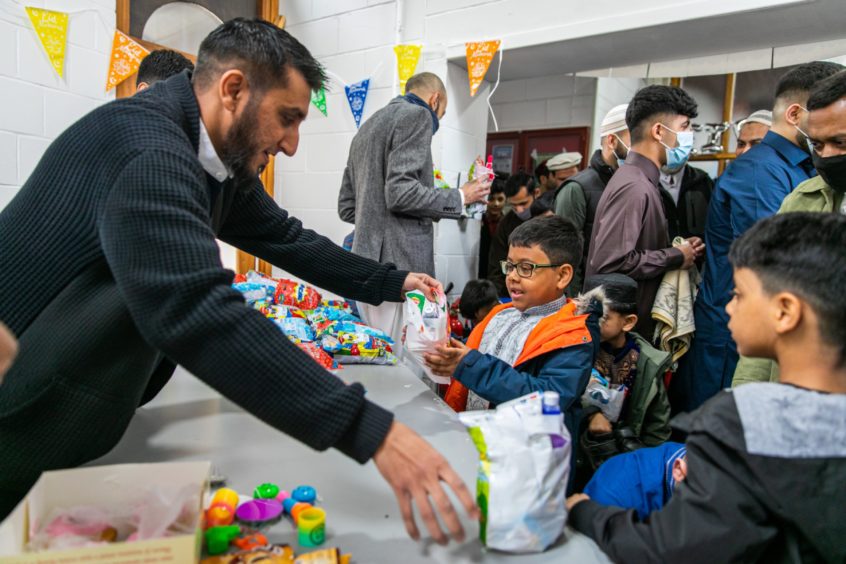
point(542, 103)
point(611, 92)
point(35, 104)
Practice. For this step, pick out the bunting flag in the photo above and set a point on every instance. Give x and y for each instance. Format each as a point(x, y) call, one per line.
point(318, 98)
point(52, 30)
point(407, 57)
point(124, 60)
point(479, 57)
point(357, 95)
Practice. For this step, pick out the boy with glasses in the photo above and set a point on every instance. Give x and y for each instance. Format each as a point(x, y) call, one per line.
point(539, 341)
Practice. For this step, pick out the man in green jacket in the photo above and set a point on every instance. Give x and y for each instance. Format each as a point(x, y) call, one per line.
point(824, 193)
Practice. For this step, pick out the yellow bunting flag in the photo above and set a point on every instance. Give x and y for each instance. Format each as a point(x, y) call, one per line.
point(407, 57)
point(52, 30)
point(124, 60)
point(479, 57)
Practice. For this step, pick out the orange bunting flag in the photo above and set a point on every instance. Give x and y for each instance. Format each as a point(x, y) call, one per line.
point(124, 60)
point(407, 57)
point(479, 57)
point(52, 30)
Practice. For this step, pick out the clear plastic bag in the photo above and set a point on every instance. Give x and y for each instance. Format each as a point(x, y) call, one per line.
point(604, 395)
point(427, 326)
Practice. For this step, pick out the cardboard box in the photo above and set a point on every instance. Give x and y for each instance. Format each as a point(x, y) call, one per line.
point(104, 486)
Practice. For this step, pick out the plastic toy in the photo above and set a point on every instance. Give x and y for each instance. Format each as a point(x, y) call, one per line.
point(226, 496)
point(251, 542)
point(266, 491)
point(288, 504)
point(218, 538)
point(306, 494)
point(259, 510)
point(220, 515)
point(282, 496)
point(299, 508)
point(311, 527)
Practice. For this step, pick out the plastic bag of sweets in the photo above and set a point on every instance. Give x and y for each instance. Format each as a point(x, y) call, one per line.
point(293, 293)
point(357, 348)
point(295, 328)
point(524, 464)
point(426, 327)
point(319, 355)
point(252, 292)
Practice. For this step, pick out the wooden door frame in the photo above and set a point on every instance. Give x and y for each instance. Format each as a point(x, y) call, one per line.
point(522, 155)
point(265, 9)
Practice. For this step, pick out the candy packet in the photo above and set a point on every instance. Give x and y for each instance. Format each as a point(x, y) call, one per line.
point(296, 294)
point(426, 327)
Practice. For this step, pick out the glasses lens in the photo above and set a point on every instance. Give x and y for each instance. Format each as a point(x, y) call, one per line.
point(506, 267)
point(525, 269)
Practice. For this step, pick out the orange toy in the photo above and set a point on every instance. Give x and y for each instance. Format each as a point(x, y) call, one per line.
point(297, 509)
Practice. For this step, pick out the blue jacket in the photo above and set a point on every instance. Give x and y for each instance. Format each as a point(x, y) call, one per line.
point(641, 480)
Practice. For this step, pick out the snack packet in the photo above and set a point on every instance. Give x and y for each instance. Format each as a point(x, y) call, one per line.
point(484, 171)
point(295, 328)
point(319, 355)
point(293, 293)
point(251, 291)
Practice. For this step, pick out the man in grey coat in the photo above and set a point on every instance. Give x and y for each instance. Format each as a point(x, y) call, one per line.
point(388, 188)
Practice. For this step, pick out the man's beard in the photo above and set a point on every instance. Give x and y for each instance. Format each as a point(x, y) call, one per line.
point(239, 148)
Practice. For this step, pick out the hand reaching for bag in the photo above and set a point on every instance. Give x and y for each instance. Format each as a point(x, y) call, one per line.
point(430, 287)
point(446, 359)
point(415, 471)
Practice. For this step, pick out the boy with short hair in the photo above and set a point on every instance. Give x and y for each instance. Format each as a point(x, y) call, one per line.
point(538, 342)
point(490, 220)
point(477, 300)
point(767, 462)
point(627, 359)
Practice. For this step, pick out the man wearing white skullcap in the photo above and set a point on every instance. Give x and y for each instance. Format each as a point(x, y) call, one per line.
point(751, 131)
point(578, 197)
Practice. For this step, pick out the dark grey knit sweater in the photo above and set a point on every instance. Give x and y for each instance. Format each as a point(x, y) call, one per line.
point(110, 267)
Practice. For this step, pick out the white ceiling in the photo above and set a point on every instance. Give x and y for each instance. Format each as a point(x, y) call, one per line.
point(820, 20)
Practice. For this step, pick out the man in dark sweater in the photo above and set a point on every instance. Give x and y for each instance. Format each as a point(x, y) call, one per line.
point(114, 273)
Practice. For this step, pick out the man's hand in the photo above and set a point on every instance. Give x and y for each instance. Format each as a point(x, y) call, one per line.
point(693, 248)
point(430, 287)
point(8, 350)
point(574, 499)
point(446, 359)
point(415, 471)
point(599, 425)
point(475, 191)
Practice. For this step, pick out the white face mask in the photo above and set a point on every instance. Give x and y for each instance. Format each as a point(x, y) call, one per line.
point(620, 161)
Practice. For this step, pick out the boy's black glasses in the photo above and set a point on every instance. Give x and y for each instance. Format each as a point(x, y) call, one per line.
point(524, 269)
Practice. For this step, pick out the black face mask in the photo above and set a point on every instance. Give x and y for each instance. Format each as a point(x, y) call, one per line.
point(832, 170)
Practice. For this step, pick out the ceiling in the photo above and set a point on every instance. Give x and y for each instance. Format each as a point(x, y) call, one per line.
point(821, 20)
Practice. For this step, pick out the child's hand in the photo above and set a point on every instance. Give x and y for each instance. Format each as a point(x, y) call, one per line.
point(574, 499)
point(599, 425)
point(445, 359)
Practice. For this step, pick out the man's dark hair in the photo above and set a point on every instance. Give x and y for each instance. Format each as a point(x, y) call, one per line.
point(542, 204)
point(798, 81)
point(828, 91)
point(498, 184)
point(541, 170)
point(620, 291)
point(517, 181)
point(161, 65)
point(653, 102)
point(425, 81)
point(802, 253)
point(556, 236)
point(476, 295)
point(261, 50)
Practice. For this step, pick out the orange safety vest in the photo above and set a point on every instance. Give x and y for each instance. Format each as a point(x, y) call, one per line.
point(557, 331)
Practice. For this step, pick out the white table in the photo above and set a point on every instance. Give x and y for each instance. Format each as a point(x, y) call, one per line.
point(190, 421)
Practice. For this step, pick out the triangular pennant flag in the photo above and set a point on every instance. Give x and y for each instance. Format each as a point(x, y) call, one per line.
point(52, 30)
point(124, 60)
point(407, 57)
point(357, 95)
point(479, 57)
point(318, 98)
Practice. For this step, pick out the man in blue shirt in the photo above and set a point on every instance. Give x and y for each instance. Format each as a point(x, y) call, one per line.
point(751, 188)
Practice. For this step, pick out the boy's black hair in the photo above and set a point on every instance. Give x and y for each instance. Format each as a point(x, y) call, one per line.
point(620, 291)
point(517, 181)
point(803, 253)
point(828, 91)
point(476, 295)
point(653, 101)
point(261, 50)
point(161, 65)
point(541, 205)
point(498, 184)
point(556, 236)
point(795, 84)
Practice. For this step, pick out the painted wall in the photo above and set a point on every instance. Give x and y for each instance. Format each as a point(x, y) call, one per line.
point(35, 104)
point(544, 102)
